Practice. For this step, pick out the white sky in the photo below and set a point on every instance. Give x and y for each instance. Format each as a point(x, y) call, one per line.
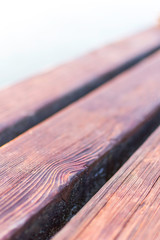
point(38, 34)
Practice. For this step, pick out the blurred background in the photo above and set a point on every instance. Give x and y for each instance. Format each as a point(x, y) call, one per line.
point(36, 35)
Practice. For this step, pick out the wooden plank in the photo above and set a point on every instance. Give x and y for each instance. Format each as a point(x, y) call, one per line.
point(43, 172)
point(128, 206)
point(28, 103)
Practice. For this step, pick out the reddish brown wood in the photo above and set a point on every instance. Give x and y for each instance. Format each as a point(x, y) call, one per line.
point(128, 206)
point(29, 102)
point(49, 168)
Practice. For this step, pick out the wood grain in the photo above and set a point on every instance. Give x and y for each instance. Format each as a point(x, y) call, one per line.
point(128, 206)
point(46, 171)
point(28, 103)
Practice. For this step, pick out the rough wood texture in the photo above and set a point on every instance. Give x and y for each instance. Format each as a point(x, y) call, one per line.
point(45, 169)
point(29, 102)
point(128, 206)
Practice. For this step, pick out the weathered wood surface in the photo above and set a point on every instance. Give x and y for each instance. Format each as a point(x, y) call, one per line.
point(41, 169)
point(29, 102)
point(128, 205)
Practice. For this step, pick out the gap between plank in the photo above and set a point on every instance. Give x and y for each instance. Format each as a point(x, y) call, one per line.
point(98, 175)
point(48, 110)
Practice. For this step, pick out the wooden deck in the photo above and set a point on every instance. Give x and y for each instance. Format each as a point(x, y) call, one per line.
point(62, 162)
